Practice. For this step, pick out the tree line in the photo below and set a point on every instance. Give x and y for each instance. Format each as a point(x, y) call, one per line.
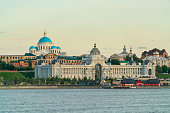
point(8, 66)
point(17, 78)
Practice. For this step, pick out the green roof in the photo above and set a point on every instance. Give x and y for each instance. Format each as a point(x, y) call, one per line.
point(29, 54)
point(70, 57)
point(124, 61)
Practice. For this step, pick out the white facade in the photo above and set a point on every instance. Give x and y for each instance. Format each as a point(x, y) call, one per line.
point(161, 61)
point(97, 68)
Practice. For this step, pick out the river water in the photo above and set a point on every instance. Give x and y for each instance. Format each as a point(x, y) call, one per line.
point(85, 100)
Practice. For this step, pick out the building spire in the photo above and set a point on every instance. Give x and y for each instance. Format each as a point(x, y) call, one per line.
point(124, 48)
point(131, 49)
point(95, 45)
point(45, 33)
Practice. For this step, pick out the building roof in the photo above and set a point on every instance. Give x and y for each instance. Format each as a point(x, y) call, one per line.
point(29, 54)
point(53, 47)
point(44, 40)
point(151, 52)
point(95, 51)
point(129, 81)
point(70, 57)
point(58, 47)
point(133, 81)
point(124, 61)
point(32, 47)
point(154, 58)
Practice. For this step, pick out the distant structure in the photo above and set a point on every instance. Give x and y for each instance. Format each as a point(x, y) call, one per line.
point(44, 49)
point(93, 67)
point(158, 57)
point(122, 56)
point(161, 61)
point(155, 52)
point(45, 46)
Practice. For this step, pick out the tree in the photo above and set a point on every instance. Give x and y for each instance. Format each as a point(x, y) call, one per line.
point(115, 62)
point(158, 69)
point(164, 69)
point(135, 58)
point(42, 81)
point(127, 58)
point(74, 80)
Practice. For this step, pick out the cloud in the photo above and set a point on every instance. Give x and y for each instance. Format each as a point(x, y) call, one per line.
point(142, 47)
point(2, 32)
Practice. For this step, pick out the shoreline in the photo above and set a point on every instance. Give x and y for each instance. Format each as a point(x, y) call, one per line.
point(50, 87)
point(76, 87)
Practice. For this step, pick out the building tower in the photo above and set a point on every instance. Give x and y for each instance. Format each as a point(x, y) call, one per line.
point(124, 49)
point(131, 54)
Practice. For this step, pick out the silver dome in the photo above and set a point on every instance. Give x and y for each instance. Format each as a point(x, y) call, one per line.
point(95, 51)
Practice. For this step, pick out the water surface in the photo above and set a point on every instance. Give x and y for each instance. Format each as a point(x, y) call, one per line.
point(85, 100)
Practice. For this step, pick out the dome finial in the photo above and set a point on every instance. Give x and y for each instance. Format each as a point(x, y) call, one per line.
point(95, 45)
point(45, 33)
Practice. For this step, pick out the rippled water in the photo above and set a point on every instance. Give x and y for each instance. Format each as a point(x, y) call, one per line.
point(85, 100)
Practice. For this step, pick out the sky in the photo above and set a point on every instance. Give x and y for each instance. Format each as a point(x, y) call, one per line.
point(75, 25)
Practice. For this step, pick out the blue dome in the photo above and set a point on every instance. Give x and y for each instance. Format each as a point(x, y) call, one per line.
point(53, 47)
point(32, 47)
point(44, 39)
point(58, 47)
point(36, 48)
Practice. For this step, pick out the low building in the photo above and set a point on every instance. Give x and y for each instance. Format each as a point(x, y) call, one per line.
point(161, 61)
point(136, 82)
point(155, 52)
point(23, 63)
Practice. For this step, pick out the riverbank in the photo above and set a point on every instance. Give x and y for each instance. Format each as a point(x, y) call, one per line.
point(50, 87)
point(76, 87)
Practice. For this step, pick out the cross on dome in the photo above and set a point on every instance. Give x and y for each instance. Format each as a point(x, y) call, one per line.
point(45, 33)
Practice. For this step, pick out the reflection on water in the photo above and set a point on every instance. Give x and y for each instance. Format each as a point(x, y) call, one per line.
point(84, 100)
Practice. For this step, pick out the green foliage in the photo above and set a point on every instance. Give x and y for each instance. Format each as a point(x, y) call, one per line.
point(158, 69)
point(24, 68)
point(12, 78)
point(164, 76)
point(127, 58)
point(135, 58)
point(115, 62)
point(123, 77)
point(164, 69)
point(74, 81)
point(4, 66)
point(29, 75)
point(30, 63)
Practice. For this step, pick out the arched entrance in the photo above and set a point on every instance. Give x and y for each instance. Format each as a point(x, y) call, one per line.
point(150, 72)
point(98, 72)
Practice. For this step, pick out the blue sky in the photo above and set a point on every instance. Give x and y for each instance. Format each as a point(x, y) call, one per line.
point(76, 25)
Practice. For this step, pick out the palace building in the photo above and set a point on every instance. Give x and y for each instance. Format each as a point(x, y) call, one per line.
point(44, 48)
point(94, 67)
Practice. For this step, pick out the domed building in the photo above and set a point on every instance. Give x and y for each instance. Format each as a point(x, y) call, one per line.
point(93, 67)
point(45, 46)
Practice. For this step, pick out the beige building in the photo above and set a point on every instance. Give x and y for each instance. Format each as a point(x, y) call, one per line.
point(9, 58)
point(161, 61)
point(95, 69)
